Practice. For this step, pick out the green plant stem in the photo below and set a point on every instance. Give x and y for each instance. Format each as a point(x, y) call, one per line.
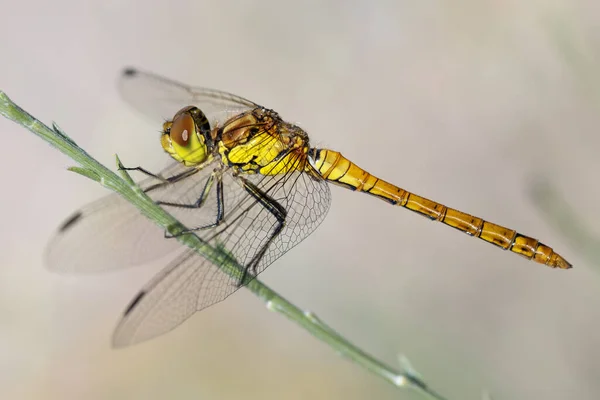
point(125, 186)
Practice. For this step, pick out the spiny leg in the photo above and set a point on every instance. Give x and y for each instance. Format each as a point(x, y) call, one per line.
point(173, 179)
point(143, 171)
point(277, 210)
point(199, 203)
point(162, 181)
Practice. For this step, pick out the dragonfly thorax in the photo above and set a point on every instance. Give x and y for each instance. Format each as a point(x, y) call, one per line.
point(259, 141)
point(187, 137)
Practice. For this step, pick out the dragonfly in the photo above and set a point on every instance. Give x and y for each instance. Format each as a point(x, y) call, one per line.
point(243, 180)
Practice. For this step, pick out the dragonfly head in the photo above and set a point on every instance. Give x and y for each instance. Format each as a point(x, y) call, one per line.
point(187, 137)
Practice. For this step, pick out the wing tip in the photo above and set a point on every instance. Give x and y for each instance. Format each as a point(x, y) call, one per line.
point(69, 222)
point(129, 72)
point(117, 342)
point(122, 336)
point(134, 303)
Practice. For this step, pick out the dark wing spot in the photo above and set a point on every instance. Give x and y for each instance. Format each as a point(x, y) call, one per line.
point(68, 223)
point(134, 302)
point(130, 72)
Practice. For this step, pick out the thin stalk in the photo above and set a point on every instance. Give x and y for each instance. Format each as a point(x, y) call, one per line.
point(126, 187)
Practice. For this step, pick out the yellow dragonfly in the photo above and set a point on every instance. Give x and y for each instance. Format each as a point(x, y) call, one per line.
point(245, 181)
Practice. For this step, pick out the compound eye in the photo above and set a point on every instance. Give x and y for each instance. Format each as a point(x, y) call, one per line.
point(182, 129)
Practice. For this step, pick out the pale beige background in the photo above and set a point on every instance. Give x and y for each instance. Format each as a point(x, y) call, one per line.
point(464, 102)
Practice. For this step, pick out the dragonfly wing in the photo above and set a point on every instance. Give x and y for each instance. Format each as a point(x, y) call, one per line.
point(158, 97)
point(170, 298)
point(306, 201)
point(107, 234)
point(191, 282)
point(111, 234)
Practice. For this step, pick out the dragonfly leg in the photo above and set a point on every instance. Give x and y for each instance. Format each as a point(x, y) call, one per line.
point(278, 211)
point(143, 171)
point(199, 203)
point(162, 180)
point(172, 179)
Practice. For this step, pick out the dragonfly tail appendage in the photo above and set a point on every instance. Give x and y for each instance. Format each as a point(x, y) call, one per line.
point(336, 168)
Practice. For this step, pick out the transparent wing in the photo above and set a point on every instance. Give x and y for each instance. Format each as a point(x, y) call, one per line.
point(111, 234)
point(191, 282)
point(160, 98)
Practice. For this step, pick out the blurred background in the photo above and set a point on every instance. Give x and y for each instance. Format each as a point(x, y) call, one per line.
point(490, 107)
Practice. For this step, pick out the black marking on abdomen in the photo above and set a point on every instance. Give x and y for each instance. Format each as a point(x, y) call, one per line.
point(386, 199)
point(371, 188)
point(134, 302)
point(68, 223)
point(315, 154)
point(343, 184)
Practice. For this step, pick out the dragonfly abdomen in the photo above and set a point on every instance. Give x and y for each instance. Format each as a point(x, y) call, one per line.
point(336, 168)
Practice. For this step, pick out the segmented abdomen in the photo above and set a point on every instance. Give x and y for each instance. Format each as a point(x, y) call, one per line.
point(336, 168)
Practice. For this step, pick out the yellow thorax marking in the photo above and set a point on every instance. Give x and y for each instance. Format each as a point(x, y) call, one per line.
point(258, 143)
